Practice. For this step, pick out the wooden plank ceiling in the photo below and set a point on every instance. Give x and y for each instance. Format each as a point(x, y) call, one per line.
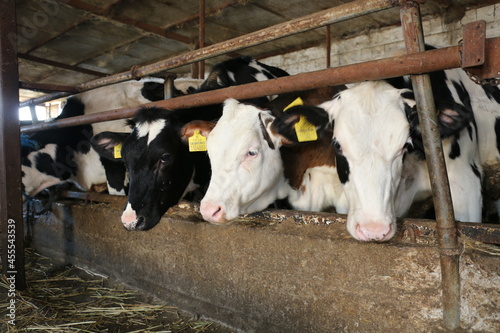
point(69, 42)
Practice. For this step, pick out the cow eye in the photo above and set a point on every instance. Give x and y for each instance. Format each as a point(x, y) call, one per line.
point(165, 158)
point(337, 146)
point(253, 152)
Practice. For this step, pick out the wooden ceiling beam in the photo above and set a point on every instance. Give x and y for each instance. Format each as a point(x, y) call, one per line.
point(60, 65)
point(146, 27)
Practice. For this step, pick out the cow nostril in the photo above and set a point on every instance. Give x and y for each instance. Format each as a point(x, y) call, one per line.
point(218, 211)
point(141, 223)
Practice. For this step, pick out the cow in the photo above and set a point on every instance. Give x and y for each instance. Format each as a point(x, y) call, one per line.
point(379, 151)
point(254, 161)
point(156, 153)
point(65, 155)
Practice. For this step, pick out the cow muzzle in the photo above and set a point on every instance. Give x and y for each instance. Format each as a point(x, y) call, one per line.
point(373, 231)
point(131, 221)
point(213, 212)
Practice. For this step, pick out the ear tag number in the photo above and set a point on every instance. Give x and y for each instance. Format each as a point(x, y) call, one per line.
point(297, 101)
point(197, 142)
point(305, 130)
point(117, 151)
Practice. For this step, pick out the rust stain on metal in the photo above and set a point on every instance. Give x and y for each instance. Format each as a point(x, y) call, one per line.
point(474, 43)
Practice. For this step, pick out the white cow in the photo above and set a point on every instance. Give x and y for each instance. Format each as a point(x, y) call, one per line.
point(379, 149)
point(248, 172)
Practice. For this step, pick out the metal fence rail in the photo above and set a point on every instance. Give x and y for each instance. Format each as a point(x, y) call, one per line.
point(415, 62)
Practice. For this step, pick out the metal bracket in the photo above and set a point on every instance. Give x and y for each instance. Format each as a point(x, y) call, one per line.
point(474, 42)
point(480, 56)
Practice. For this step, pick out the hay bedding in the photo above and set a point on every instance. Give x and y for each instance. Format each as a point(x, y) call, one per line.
point(68, 299)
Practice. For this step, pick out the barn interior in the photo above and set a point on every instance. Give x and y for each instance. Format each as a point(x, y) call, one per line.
point(280, 269)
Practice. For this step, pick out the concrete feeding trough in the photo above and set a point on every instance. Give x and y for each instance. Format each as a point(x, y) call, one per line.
point(280, 270)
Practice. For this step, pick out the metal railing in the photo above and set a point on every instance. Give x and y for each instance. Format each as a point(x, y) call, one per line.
point(414, 62)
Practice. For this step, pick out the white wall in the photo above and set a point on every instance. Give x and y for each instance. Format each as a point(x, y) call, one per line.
point(380, 43)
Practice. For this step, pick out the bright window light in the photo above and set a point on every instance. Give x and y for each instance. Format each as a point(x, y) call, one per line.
point(25, 114)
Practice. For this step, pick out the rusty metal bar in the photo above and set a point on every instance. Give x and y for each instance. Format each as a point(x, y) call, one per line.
point(328, 47)
point(46, 87)
point(445, 219)
point(43, 99)
point(201, 36)
point(11, 212)
point(309, 22)
point(474, 41)
point(422, 62)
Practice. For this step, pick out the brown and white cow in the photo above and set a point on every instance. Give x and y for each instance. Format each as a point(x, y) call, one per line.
point(254, 164)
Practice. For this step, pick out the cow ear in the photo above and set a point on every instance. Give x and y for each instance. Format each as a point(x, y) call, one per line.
point(104, 144)
point(284, 125)
point(452, 118)
point(205, 127)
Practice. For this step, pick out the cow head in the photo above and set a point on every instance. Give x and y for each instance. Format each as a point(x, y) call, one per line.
point(375, 126)
point(160, 166)
point(247, 168)
point(245, 161)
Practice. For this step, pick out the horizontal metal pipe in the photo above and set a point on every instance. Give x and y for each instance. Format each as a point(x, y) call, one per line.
point(309, 22)
point(43, 99)
point(372, 70)
point(46, 87)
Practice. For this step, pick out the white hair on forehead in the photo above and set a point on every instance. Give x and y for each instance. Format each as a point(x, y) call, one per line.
point(151, 129)
point(231, 107)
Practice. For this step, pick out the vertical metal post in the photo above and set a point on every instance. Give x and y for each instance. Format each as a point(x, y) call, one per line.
point(11, 212)
point(34, 117)
point(328, 46)
point(202, 37)
point(169, 85)
point(446, 225)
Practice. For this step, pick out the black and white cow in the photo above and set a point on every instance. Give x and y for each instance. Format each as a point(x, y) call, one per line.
point(65, 155)
point(156, 154)
point(379, 150)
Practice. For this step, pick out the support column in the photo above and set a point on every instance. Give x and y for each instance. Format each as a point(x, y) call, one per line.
point(11, 213)
point(446, 226)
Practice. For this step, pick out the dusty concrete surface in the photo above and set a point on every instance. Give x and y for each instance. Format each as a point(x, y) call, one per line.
point(278, 277)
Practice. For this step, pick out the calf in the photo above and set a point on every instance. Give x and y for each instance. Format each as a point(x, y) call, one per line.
point(156, 154)
point(254, 162)
point(65, 155)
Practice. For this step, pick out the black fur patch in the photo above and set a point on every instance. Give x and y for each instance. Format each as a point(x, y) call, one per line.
point(475, 170)
point(455, 148)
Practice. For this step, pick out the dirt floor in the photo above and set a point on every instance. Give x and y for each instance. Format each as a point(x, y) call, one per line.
point(69, 299)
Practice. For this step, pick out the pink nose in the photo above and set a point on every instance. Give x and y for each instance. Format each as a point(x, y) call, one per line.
point(212, 212)
point(373, 231)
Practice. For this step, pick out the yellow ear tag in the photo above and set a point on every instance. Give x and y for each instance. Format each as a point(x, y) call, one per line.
point(297, 101)
point(117, 151)
point(305, 130)
point(197, 142)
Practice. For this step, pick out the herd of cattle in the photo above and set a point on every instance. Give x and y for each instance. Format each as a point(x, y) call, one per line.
point(365, 158)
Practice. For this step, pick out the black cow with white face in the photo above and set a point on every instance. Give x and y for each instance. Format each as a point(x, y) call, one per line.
point(156, 153)
point(63, 155)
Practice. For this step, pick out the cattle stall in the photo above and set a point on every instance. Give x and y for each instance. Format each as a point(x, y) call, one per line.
point(285, 269)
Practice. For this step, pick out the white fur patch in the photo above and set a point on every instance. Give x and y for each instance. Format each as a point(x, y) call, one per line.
point(151, 129)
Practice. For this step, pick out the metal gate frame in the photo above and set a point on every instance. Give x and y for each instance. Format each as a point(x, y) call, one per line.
point(415, 62)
